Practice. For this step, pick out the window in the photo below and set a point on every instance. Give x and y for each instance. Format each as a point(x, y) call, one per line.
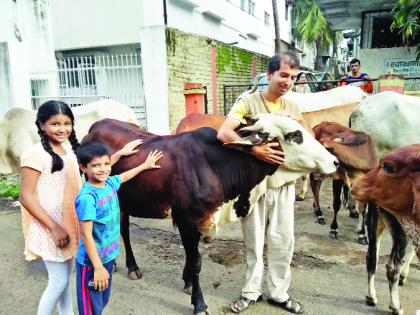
point(251, 7)
point(286, 17)
point(266, 19)
point(243, 5)
point(376, 31)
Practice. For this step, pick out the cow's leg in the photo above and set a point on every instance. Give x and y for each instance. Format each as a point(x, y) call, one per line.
point(350, 202)
point(134, 272)
point(361, 225)
point(375, 228)
point(406, 265)
point(337, 186)
point(316, 187)
point(303, 189)
point(398, 252)
point(190, 238)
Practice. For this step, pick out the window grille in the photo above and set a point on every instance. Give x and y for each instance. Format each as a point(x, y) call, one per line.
point(266, 19)
point(243, 5)
point(251, 7)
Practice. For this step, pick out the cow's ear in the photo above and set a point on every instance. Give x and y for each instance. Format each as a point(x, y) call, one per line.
point(247, 143)
point(415, 177)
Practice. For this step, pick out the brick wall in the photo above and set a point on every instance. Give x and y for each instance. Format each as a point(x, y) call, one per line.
point(189, 61)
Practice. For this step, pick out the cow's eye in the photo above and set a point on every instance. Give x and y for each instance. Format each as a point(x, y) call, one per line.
point(388, 169)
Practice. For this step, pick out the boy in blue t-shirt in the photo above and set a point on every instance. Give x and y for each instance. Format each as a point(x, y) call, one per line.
point(98, 211)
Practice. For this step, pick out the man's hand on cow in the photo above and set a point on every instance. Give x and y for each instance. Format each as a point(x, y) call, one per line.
point(129, 148)
point(287, 113)
point(266, 153)
point(153, 157)
point(60, 237)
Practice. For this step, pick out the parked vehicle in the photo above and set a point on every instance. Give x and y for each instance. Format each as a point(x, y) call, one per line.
point(325, 76)
point(262, 79)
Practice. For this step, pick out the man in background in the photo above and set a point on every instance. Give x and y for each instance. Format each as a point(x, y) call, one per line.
point(366, 86)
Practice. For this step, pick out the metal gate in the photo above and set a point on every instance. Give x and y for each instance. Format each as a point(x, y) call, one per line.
point(84, 79)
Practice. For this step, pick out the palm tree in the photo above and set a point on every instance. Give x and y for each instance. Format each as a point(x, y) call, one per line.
point(312, 27)
point(407, 20)
point(276, 26)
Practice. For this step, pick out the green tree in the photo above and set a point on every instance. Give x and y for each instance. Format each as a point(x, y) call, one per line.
point(406, 19)
point(311, 26)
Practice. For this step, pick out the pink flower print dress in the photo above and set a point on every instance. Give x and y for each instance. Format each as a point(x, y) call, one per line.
point(56, 193)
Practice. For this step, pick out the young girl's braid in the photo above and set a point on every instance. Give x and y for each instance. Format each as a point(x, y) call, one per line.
point(57, 162)
point(73, 141)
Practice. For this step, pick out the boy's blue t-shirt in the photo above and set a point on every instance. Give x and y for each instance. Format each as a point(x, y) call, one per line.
point(101, 206)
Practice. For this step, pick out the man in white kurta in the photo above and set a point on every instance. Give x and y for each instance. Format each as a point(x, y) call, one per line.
point(272, 218)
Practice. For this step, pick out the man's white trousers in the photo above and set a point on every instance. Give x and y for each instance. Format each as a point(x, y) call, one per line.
point(273, 219)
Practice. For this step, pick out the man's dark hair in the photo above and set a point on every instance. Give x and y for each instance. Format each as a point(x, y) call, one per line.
point(89, 150)
point(355, 61)
point(288, 56)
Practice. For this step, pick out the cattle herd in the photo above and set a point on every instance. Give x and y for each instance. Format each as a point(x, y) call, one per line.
point(203, 183)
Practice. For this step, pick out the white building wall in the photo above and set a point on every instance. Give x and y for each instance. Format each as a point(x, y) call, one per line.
point(25, 34)
point(373, 60)
point(90, 23)
point(110, 22)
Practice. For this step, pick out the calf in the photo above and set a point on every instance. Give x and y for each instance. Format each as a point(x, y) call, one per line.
point(356, 153)
point(394, 185)
point(398, 264)
point(199, 174)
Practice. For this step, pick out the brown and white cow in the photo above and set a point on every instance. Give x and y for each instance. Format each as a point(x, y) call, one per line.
point(374, 115)
point(198, 174)
point(394, 185)
point(356, 153)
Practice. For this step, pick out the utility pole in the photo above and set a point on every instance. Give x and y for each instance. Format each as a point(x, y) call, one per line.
point(335, 55)
point(277, 40)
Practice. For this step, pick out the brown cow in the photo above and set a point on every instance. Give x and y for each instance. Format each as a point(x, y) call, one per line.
point(198, 175)
point(356, 153)
point(394, 185)
point(339, 114)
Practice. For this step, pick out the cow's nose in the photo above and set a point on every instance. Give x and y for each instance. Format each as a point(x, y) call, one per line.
point(336, 163)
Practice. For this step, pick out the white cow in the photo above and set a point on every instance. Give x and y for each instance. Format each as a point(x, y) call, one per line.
point(391, 119)
point(18, 130)
point(309, 102)
point(304, 152)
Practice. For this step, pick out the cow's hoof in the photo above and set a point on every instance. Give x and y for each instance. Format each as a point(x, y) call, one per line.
point(354, 215)
point(371, 301)
point(135, 275)
point(402, 280)
point(363, 240)
point(397, 312)
point(334, 235)
point(115, 268)
point(320, 220)
point(201, 310)
point(299, 198)
point(207, 239)
point(188, 290)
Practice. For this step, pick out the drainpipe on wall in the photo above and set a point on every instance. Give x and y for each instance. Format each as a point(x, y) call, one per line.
point(165, 15)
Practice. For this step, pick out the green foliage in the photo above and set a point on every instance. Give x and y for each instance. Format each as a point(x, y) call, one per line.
point(406, 19)
point(310, 24)
point(8, 189)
